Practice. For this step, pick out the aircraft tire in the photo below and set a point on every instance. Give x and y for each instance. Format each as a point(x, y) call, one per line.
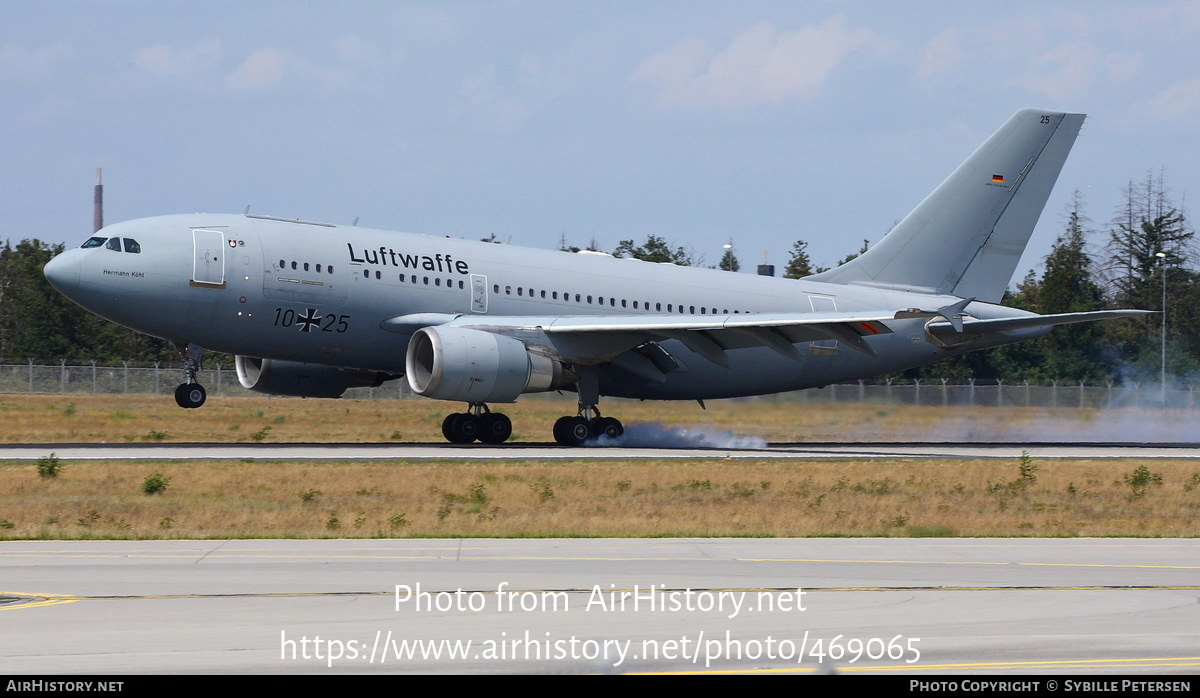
point(561, 430)
point(190, 395)
point(575, 431)
point(495, 428)
point(465, 429)
point(448, 425)
point(608, 426)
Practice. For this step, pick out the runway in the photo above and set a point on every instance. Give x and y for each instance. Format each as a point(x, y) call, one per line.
point(535, 451)
point(915, 606)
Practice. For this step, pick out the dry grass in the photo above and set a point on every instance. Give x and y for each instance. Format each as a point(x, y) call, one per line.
point(689, 498)
point(89, 419)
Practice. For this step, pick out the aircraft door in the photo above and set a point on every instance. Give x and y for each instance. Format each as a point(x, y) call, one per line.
point(479, 298)
point(208, 262)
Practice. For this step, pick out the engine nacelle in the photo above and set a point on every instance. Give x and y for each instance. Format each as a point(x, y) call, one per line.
point(301, 379)
point(454, 363)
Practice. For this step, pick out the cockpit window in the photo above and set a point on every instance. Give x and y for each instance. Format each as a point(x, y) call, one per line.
point(113, 244)
point(132, 246)
point(93, 242)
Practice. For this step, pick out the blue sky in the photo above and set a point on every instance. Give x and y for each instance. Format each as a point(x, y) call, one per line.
point(764, 122)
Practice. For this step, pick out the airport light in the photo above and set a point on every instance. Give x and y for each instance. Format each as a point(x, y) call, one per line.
point(1162, 375)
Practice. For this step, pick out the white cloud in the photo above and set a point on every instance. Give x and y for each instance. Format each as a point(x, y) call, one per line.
point(262, 68)
point(1074, 68)
point(760, 65)
point(181, 63)
point(944, 52)
point(1179, 101)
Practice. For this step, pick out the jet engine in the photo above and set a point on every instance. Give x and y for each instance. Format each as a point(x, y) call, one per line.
point(302, 379)
point(464, 365)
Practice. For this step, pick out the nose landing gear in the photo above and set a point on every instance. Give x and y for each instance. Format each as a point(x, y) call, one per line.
point(190, 394)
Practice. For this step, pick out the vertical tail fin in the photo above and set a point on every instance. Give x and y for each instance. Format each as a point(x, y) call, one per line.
point(966, 238)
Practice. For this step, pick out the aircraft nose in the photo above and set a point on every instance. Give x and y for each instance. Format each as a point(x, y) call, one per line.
point(63, 273)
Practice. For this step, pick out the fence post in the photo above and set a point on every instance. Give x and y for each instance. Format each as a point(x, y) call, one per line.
point(971, 392)
point(156, 379)
point(1054, 393)
point(999, 393)
point(31, 375)
point(62, 376)
point(1081, 394)
point(93, 376)
point(125, 379)
point(945, 394)
point(1027, 392)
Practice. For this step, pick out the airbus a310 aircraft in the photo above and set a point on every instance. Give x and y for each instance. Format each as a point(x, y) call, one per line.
point(312, 309)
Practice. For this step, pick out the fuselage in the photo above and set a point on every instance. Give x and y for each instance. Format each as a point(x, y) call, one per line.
point(318, 293)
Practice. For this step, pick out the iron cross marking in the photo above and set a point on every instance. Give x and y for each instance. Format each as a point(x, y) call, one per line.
point(308, 319)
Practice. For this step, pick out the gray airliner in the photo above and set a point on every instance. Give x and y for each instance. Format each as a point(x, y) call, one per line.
point(312, 309)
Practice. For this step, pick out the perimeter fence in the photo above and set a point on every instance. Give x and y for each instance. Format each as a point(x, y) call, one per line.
point(93, 379)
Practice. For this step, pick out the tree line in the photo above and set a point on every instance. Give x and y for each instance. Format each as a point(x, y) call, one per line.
point(1146, 258)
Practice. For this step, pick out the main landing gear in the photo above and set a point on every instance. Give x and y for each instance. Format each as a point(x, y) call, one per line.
point(190, 394)
point(573, 431)
point(588, 423)
point(477, 423)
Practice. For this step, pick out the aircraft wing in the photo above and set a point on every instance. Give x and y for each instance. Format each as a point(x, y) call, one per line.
point(597, 338)
point(593, 339)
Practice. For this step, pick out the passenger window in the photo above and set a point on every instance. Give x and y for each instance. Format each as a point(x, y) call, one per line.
point(318, 268)
point(93, 242)
point(437, 282)
point(306, 266)
point(113, 244)
point(282, 264)
point(294, 268)
point(132, 246)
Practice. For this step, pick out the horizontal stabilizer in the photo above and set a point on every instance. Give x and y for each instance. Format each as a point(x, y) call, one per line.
point(944, 330)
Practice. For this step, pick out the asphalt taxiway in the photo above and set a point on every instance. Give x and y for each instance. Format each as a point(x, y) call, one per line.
point(916, 606)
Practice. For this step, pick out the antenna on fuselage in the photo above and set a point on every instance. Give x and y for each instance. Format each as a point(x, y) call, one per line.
point(355, 223)
point(246, 211)
point(98, 204)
